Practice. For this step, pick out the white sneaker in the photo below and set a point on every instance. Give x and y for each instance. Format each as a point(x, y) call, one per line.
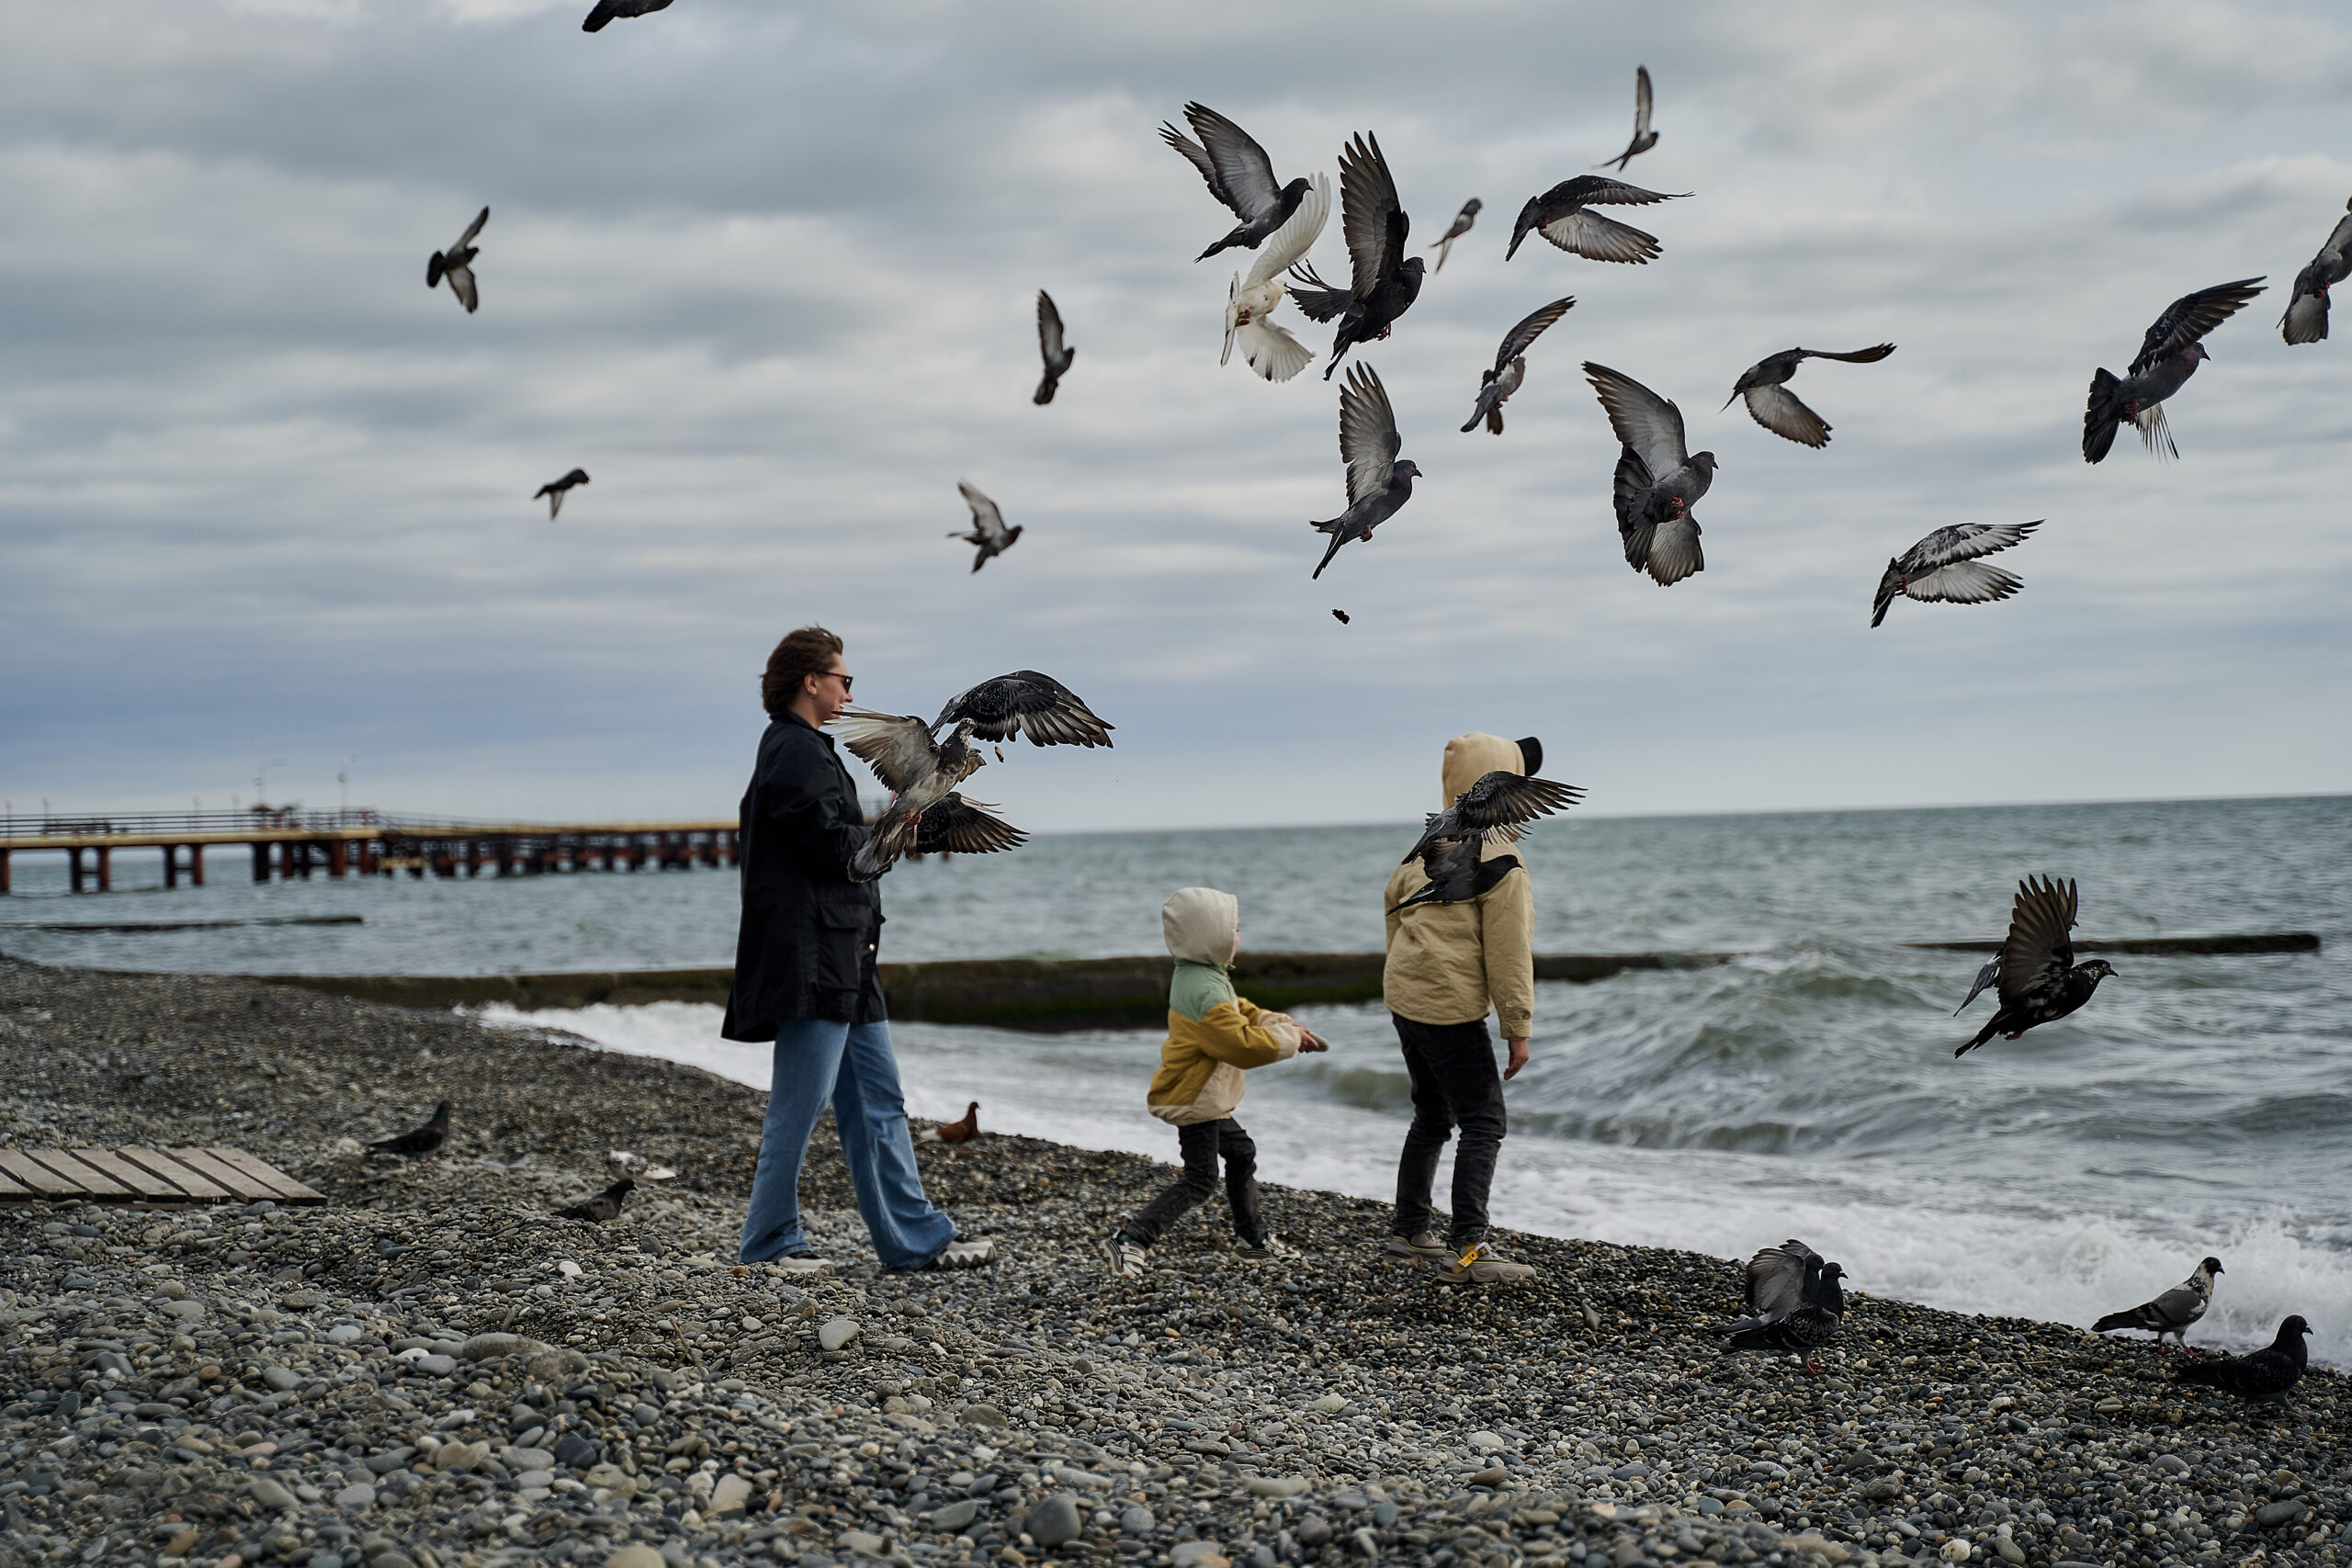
point(1265, 1249)
point(799, 1263)
point(965, 1252)
point(1127, 1258)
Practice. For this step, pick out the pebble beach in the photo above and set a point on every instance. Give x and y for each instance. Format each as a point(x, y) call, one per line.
point(432, 1371)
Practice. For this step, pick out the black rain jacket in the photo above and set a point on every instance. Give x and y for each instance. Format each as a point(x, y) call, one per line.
point(809, 934)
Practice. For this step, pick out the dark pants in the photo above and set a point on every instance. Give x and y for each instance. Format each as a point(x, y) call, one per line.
point(1455, 1083)
point(1201, 1144)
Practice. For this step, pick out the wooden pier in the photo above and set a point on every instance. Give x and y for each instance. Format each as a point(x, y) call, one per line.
point(288, 845)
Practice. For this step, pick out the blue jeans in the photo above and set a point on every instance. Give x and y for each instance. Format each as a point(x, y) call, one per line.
point(819, 1060)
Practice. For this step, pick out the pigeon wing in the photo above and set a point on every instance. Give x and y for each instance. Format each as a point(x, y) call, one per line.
point(1272, 352)
point(2190, 317)
point(1854, 357)
point(1317, 300)
point(898, 747)
point(1641, 102)
point(460, 279)
point(1368, 438)
point(1964, 582)
point(986, 519)
point(1673, 552)
point(1783, 412)
point(1776, 1278)
point(1648, 424)
point(1530, 327)
point(1596, 238)
point(1194, 154)
point(1049, 330)
point(1503, 799)
point(2038, 952)
point(1238, 170)
point(1964, 541)
point(471, 230)
point(1026, 703)
point(1986, 976)
point(1286, 246)
point(1369, 217)
point(1599, 190)
point(957, 826)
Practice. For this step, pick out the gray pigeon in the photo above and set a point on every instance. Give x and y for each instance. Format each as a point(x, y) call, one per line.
point(1560, 216)
point(1461, 226)
point(1644, 137)
point(1493, 808)
point(1495, 386)
point(988, 531)
point(2171, 1313)
point(607, 9)
point(1657, 481)
point(456, 266)
point(554, 492)
point(605, 1205)
point(2306, 317)
point(1945, 567)
point(1058, 353)
point(1770, 403)
point(1378, 485)
point(1795, 1302)
point(1238, 173)
point(2169, 356)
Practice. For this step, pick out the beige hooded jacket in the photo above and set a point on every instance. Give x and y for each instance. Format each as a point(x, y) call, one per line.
point(1451, 962)
point(1212, 1035)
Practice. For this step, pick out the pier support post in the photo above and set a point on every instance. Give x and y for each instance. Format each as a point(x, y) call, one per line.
point(106, 868)
point(74, 870)
point(261, 862)
point(196, 865)
point(4, 871)
point(338, 857)
point(171, 865)
point(473, 857)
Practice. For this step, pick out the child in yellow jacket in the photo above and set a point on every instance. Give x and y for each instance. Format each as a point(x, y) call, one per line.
point(1213, 1037)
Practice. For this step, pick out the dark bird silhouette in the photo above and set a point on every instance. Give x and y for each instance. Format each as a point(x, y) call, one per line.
point(1770, 403)
point(1644, 137)
point(960, 827)
point(1495, 386)
point(1058, 351)
point(1461, 226)
point(1493, 808)
point(2306, 317)
point(554, 492)
point(1657, 479)
point(1378, 485)
point(1795, 1302)
point(1944, 567)
point(988, 531)
point(1560, 216)
point(2039, 982)
point(604, 1206)
point(1457, 874)
point(952, 1133)
point(2168, 357)
point(2263, 1375)
point(607, 9)
point(419, 1140)
point(1383, 280)
point(1238, 173)
point(2171, 1313)
point(456, 266)
point(1340, 616)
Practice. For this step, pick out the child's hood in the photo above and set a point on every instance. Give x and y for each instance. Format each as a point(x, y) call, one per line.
point(1469, 757)
point(1199, 924)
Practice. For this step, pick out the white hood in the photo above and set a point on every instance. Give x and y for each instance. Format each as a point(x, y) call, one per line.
point(1199, 924)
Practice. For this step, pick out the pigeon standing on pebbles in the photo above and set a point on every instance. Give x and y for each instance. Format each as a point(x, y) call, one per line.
point(1382, 282)
point(419, 1140)
point(456, 266)
point(1495, 386)
point(988, 531)
point(1945, 568)
point(1770, 403)
point(604, 1206)
point(1461, 226)
point(1378, 485)
point(1657, 481)
point(2264, 1375)
point(1238, 173)
point(1560, 215)
point(1057, 350)
point(2171, 1313)
point(2306, 317)
point(1795, 1302)
point(2039, 982)
point(2168, 357)
point(1644, 137)
point(607, 9)
point(553, 493)
point(1268, 349)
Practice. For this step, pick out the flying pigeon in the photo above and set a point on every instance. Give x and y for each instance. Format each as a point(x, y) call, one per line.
point(921, 769)
point(1268, 349)
point(2168, 357)
point(456, 264)
point(1560, 215)
point(1238, 173)
point(1340, 616)
point(2040, 981)
point(1057, 353)
point(1383, 281)
point(2306, 317)
point(2264, 1375)
point(1644, 137)
point(1795, 1302)
point(988, 531)
point(1457, 874)
point(604, 1206)
point(1765, 384)
point(556, 491)
point(419, 1140)
point(607, 9)
point(1656, 482)
point(2171, 1313)
point(1493, 808)
point(961, 1132)
point(1462, 222)
point(1378, 485)
point(1945, 568)
point(1495, 386)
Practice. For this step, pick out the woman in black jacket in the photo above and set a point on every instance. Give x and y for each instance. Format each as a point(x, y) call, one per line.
point(804, 979)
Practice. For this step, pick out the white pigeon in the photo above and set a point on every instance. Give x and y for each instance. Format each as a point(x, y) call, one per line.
point(1268, 349)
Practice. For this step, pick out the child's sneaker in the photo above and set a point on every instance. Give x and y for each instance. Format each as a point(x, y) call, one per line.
point(1423, 1244)
point(1127, 1256)
point(1482, 1265)
point(1265, 1249)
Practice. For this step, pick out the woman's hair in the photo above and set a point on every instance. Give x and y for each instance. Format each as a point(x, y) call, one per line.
point(805, 652)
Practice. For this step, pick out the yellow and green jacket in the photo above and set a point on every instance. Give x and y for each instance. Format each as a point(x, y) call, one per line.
point(1214, 1036)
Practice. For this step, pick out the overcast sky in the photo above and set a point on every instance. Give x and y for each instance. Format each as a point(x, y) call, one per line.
point(765, 269)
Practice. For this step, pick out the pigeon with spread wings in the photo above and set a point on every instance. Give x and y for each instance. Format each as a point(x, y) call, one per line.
point(1459, 227)
point(2168, 357)
point(2306, 317)
point(1383, 280)
point(1561, 215)
point(1057, 350)
point(1644, 137)
point(1495, 386)
point(1657, 479)
point(1452, 847)
point(456, 266)
point(1378, 485)
point(1238, 173)
point(1945, 567)
point(1765, 384)
point(554, 490)
point(1268, 349)
point(988, 531)
point(2039, 982)
point(1795, 1302)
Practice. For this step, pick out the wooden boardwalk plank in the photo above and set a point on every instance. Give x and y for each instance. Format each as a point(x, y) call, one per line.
point(285, 1188)
point(227, 1176)
point(31, 1173)
point(178, 1174)
point(14, 1192)
point(143, 1182)
point(92, 1182)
